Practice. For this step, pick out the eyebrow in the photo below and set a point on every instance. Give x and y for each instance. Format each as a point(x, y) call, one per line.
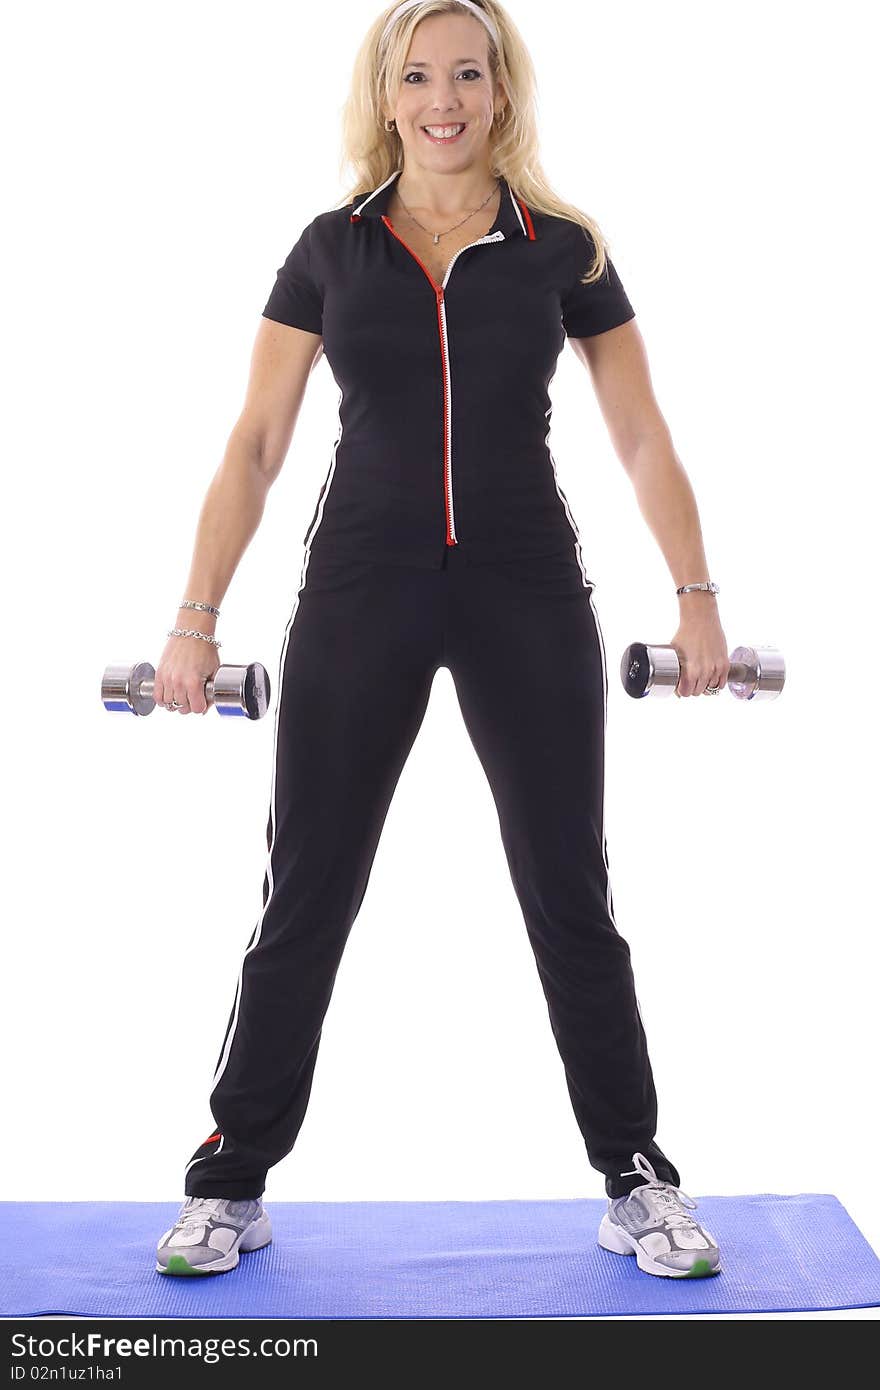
point(457, 61)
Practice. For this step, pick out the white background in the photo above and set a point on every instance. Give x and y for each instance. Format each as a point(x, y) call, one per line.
point(165, 159)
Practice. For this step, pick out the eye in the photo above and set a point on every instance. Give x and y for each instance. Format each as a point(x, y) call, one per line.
point(421, 74)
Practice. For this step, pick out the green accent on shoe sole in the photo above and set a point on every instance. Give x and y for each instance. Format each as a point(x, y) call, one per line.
point(178, 1264)
point(699, 1269)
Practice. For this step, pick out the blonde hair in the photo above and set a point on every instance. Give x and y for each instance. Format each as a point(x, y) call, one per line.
point(375, 153)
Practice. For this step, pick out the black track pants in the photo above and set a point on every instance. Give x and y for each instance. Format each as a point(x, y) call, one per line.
point(523, 645)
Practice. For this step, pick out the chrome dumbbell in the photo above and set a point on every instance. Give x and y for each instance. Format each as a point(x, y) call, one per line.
point(237, 690)
point(756, 673)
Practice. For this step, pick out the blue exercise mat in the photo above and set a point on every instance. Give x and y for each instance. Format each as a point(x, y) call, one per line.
point(493, 1259)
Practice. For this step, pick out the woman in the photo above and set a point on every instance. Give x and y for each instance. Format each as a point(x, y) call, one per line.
point(442, 293)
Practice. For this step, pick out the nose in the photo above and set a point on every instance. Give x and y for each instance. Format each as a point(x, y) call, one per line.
point(447, 99)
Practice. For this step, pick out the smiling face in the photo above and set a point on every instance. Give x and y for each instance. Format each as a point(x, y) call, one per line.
point(447, 82)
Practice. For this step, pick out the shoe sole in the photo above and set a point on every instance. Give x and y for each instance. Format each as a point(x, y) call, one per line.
point(253, 1237)
point(614, 1238)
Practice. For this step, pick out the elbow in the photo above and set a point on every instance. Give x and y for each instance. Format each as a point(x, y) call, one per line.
point(647, 451)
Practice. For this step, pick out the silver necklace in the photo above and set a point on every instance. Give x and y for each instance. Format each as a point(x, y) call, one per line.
point(438, 235)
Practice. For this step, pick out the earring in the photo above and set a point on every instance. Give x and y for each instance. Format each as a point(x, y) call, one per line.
point(389, 125)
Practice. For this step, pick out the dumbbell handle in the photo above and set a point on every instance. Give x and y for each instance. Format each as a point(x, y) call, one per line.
point(146, 688)
point(738, 672)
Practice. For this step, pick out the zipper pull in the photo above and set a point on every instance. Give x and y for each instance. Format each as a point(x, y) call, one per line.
point(439, 294)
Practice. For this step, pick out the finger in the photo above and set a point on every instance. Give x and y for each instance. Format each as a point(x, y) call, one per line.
point(685, 677)
point(197, 702)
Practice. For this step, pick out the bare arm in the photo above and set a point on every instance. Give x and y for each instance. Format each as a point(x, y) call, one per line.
point(281, 363)
point(618, 365)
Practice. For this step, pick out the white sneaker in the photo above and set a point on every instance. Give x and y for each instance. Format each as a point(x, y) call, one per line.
point(208, 1234)
point(653, 1224)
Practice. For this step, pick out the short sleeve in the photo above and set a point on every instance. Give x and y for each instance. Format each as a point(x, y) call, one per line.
point(590, 309)
point(296, 297)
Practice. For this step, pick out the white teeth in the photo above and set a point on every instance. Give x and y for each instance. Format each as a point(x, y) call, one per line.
point(442, 132)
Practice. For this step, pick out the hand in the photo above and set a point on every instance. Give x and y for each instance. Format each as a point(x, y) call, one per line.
point(701, 648)
point(184, 669)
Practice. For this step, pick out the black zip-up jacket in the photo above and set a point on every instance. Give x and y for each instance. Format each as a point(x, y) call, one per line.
point(444, 411)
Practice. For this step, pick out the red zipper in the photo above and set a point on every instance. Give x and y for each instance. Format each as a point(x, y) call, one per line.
point(447, 479)
point(447, 376)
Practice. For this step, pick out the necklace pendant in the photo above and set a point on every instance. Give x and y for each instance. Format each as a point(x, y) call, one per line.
point(436, 238)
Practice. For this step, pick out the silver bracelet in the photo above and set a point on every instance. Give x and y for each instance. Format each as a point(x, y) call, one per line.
point(206, 607)
point(710, 588)
point(191, 632)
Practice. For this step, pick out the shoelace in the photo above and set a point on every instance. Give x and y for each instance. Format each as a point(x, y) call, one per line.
point(197, 1214)
point(665, 1197)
